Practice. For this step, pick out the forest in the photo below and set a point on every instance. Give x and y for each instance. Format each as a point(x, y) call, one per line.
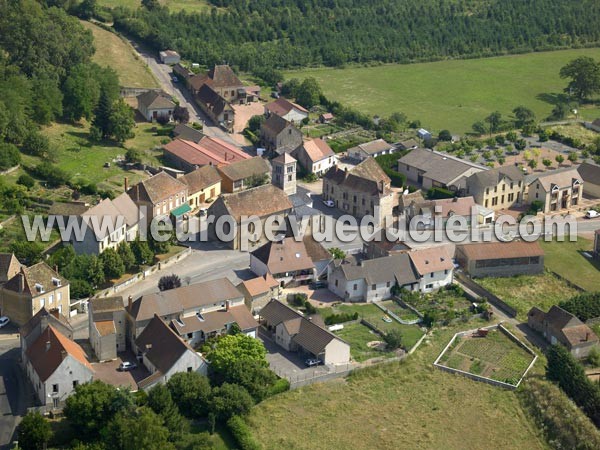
point(282, 34)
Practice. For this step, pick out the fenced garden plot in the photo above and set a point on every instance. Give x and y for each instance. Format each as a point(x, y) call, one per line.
point(493, 355)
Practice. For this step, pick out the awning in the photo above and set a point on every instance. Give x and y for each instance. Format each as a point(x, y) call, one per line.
point(181, 210)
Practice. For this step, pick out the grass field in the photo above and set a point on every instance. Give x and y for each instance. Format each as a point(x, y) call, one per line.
point(494, 356)
point(174, 5)
point(358, 336)
point(452, 94)
point(525, 291)
point(112, 51)
point(566, 259)
point(398, 405)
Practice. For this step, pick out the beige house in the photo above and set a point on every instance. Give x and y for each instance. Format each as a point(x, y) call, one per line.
point(496, 189)
point(557, 189)
point(315, 156)
point(259, 291)
point(107, 327)
point(360, 191)
point(245, 174)
point(590, 174)
point(204, 185)
point(32, 289)
point(160, 195)
point(294, 332)
point(287, 110)
point(223, 80)
point(371, 149)
point(154, 105)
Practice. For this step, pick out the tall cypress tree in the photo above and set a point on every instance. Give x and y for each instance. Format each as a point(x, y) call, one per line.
point(102, 114)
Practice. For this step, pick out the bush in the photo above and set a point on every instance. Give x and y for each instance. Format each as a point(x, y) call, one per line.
point(9, 156)
point(281, 385)
point(585, 306)
point(299, 300)
point(26, 180)
point(242, 434)
point(54, 176)
point(439, 193)
point(393, 339)
point(340, 318)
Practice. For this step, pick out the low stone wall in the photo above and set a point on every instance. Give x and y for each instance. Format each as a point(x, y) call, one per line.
point(482, 292)
point(395, 317)
point(406, 305)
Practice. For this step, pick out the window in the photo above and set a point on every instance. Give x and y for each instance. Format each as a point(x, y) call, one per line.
point(363, 202)
point(503, 187)
point(189, 369)
point(511, 197)
point(336, 283)
point(290, 177)
point(75, 383)
point(42, 302)
point(55, 388)
point(486, 203)
point(431, 274)
point(59, 296)
point(373, 287)
point(494, 201)
point(51, 299)
point(487, 191)
point(446, 272)
point(387, 284)
point(355, 287)
point(355, 199)
point(429, 286)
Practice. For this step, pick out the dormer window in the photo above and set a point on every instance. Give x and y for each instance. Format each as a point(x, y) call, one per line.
point(39, 288)
point(56, 282)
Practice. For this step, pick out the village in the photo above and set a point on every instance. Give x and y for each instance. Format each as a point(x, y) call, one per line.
point(321, 310)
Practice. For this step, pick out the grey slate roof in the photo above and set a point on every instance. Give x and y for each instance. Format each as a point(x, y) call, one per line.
point(489, 178)
point(187, 133)
point(438, 166)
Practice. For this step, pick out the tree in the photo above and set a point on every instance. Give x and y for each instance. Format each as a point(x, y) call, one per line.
point(88, 268)
point(230, 349)
point(80, 288)
point(87, 9)
point(256, 122)
point(511, 136)
point(102, 112)
point(121, 121)
point(479, 128)
point(337, 253)
point(532, 163)
point(127, 256)
point(253, 376)
point(584, 75)
point(445, 135)
point(46, 99)
point(112, 264)
point(560, 111)
point(559, 159)
point(34, 432)
point(161, 402)
point(229, 400)
point(573, 157)
point(141, 429)
point(168, 282)
point(151, 4)
point(93, 405)
point(290, 88)
point(500, 140)
point(523, 116)
point(191, 392)
point(520, 144)
point(9, 156)
point(181, 114)
point(494, 120)
point(27, 252)
point(141, 250)
point(309, 93)
point(62, 257)
point(393, 339)
point(133, 156)
point(26, 180)
point(81, 92)
point(36, 144)
point(546, 162)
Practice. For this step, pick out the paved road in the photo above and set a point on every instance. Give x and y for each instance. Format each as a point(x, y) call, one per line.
point(162, 73)
point(13, 390)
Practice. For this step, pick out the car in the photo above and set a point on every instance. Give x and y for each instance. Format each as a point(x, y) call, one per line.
point(592, 214)
point(329, 203)
point(311, 362)
point(126, 366)
point(4, 321)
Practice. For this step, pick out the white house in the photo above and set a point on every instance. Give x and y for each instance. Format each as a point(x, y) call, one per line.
point(371, 149)
point(154, 105)
point(55, 365)
point(164, 354)
point(169, 57)
point(423, 134)
point(315, 156)
point(434, 267)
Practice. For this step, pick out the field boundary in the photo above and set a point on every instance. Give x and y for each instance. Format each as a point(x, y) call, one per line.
point(483, 292)
point(483, 379)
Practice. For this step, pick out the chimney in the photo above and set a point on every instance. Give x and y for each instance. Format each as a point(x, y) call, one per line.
point(21, 282)
point(56, 268)
point(129, 302)
point(227, 305)
point(381, 186)
point(126, 183)
point(48, 345)
point(587, 336)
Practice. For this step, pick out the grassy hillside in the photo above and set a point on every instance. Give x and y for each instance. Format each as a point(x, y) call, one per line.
point(409, 405)
point(112, 51)
point(452, 94)
point(174, 5)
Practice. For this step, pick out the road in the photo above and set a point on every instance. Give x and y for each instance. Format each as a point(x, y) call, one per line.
point(162, 73)
point(13, 390)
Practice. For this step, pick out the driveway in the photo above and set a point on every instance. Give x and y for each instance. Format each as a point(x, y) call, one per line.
point(107, 372)
point(243, 113)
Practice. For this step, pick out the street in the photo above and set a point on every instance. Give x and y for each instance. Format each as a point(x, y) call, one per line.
point(13, 387)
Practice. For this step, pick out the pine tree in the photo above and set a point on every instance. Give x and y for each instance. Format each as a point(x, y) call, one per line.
point(102, 115)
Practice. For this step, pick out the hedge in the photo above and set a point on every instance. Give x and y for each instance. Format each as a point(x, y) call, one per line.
point(242, 434)
point(584, 306)
point(439, 193)
point(340, 318)
point(281, 385)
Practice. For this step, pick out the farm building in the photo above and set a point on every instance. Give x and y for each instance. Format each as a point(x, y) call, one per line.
point(500, 259)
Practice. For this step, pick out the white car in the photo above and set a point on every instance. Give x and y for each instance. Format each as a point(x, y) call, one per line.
point(126, 366)
point(4, 321)
point(329, 203)
point(592, 214)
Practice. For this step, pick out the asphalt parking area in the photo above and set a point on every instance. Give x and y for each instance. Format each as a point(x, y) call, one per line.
point(109, 373)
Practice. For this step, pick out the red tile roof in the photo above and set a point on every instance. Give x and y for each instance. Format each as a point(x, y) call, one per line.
point(209, 151)
point(283, 106)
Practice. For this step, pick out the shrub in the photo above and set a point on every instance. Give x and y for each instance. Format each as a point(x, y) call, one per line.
point(242, 434)
point(54, 176)
point(26, 180)
point(340, 318)
point(439, 193)
point(281, 385)
point(9, 156)
point(585, 306)
point(393, 339)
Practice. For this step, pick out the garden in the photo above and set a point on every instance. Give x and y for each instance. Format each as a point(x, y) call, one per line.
point(493, 355)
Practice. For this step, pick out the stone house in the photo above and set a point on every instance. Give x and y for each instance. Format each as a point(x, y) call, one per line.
point(315, 156)
point(216, 107)
point(294, 332)
point(286, 110)
point(284, 169)
point(557, 189)
point(30, 290)
point(261, 202)
point(259, 291)
point(447, 208)
point(561, 327)
point(360, 191)
point(169, 57)
point(497, 189)
point(500, 259)
point(371, 149)
point(55, 365)
point(164, 354)
point(279, 136)
point(222, 80)
point(9, 267)
point(245, 174)
point(107, 327)
point(154, 105)
point(159, 195)
point(434, 266)
point(34, 328)
point(187, 155)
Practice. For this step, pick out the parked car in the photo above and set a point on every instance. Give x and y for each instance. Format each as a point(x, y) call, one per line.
point(311, 362)
point(126, 366)
point(592, 214)
point(4, 321)
point(329, 203)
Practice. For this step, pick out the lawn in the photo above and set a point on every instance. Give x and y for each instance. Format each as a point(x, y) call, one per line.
point(495, 356)
point(400, 311)
point(358, 336)
point(522, 292)
point(114, 52)
point(174, 5)
point(566, 259)
point(453, 94)
point(577, 131)
point(397, 405)
point(372, 314)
